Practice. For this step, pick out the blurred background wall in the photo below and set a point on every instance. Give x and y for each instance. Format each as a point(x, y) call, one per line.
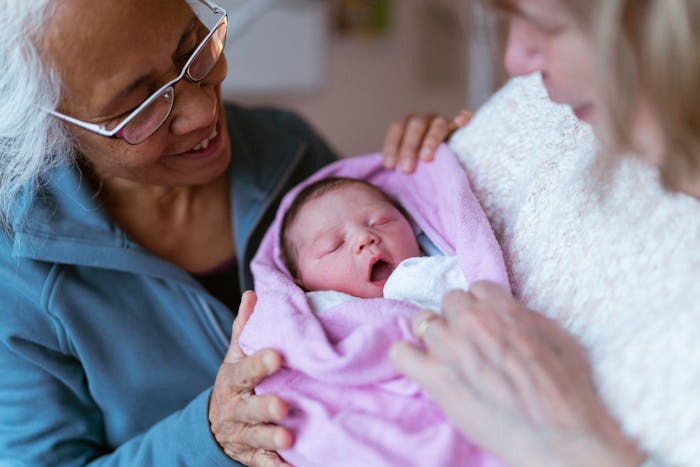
point(352, 66)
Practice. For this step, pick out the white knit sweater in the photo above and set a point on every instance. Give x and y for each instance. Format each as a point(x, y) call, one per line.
point(616, 261)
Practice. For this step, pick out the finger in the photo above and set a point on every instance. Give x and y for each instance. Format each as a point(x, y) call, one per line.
point(265, 436)
point(456, 302)
point(413, 362)
point(441, 342)
point(463, 118)
point(487, 290)
point(392, 141)
point(248, 372)
point(416, 128)
point(421, 322)
point(449, 338)
point(260, 409)
point(245, 309)
point(497, 303)
point(483, 321)
point(265, 458)
point(437, 133)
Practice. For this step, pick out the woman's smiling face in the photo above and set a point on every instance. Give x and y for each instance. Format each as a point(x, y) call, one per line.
point(120, 55)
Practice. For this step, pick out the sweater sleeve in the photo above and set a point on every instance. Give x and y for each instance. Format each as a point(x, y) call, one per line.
point(47, 416)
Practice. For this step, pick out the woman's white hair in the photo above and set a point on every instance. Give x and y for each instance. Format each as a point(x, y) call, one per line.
point(31, 141)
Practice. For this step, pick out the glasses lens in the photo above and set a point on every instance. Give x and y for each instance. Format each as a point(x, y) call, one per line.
point(149, 119)
point(209, 54)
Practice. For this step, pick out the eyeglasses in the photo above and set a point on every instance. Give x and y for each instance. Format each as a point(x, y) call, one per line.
point(148, 117)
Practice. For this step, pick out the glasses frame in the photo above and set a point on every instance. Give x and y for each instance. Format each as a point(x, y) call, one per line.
point(101, 130)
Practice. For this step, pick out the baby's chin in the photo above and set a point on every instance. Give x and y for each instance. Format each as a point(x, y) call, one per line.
point(375, 295)
point(373, 290)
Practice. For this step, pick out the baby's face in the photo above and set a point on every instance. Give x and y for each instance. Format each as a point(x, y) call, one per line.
point(350, 239)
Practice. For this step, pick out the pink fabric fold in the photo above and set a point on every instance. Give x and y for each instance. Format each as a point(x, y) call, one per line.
point(349, 405)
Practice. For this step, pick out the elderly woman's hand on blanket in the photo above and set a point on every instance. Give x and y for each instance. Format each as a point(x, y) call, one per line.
point(417, 137)
point(243, 423)
point(513, 381)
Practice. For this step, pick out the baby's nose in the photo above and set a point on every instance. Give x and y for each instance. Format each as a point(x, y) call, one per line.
point(365, 238)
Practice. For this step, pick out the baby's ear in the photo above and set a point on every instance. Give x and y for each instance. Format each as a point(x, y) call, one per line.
point(300, 283)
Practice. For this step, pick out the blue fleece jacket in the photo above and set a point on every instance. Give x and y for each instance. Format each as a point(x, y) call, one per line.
point(108, 353)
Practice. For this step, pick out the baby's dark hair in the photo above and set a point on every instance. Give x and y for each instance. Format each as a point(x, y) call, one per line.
point(309, 193)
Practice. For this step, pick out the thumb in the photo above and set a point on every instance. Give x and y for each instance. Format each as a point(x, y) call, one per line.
point(245, 310)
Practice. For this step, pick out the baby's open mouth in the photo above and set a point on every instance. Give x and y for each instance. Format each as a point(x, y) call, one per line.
point(380, 271)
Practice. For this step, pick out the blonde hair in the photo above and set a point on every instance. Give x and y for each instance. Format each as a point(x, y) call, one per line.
point(581, 10)
point(31, 141)
point(651, 50)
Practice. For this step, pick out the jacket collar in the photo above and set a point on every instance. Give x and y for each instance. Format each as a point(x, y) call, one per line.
point(262, 164)
point(64, 222)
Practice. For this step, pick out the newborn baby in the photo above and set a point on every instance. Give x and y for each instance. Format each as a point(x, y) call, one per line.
point(343, 238)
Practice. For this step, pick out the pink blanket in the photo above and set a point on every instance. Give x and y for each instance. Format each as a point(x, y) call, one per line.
point(349, 406)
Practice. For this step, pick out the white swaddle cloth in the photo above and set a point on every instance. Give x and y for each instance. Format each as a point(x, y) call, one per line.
point(422, 280)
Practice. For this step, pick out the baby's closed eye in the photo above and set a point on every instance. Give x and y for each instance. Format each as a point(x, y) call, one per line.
point(331, 246)
point(379, 221)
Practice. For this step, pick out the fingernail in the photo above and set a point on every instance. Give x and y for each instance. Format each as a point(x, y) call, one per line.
point(406, 165)
point(273, 410)
point(279, 440)
point(270, 361)
point(425, 153)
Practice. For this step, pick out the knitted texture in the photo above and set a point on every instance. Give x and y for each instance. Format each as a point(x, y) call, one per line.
point(614, 259)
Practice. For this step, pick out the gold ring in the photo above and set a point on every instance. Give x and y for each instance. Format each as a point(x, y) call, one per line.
point(422, 326)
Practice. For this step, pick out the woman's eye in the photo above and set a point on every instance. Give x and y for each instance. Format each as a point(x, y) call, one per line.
point(127, 112)
point(551, 30)
point(117, 119)
point(548, 28)
point(132, 105)
point(183, 57)
point(187, 48)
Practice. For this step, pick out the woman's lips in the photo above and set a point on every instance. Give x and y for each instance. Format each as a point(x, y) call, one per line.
point(205, 143)
point(207, 147)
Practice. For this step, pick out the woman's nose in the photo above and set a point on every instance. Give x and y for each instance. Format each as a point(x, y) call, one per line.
point(196, 103)
point(364, 238)
point(524, 54)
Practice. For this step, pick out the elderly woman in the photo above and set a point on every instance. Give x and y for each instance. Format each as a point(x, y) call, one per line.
point(131, 200)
